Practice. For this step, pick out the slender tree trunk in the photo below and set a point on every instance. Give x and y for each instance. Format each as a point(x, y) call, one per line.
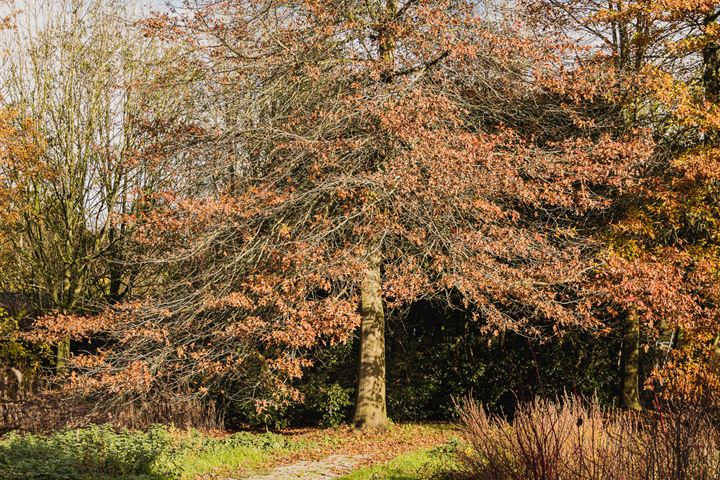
point(631, 363)
point(63, 354)
point(711, 64)
point(370, 409)
point(716, 345)
point(115, 260)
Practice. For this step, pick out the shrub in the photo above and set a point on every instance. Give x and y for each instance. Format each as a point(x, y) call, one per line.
point(159, 453)
point(274, 417)
point(569, 440)
point(331, 403)
point(89, 453)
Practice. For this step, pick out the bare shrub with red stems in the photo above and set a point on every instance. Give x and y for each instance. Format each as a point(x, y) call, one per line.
point(571, 439)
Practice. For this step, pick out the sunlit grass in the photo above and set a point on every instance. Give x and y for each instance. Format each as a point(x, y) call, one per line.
point(419, 465)
point(166, 453)
point(159, 454)
point(241, 452)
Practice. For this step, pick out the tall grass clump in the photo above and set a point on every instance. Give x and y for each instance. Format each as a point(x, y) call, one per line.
point(571, 439)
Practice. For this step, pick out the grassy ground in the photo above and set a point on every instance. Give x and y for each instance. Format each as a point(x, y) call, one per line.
point(159, 454)
point(167, 454)
point(419, 465)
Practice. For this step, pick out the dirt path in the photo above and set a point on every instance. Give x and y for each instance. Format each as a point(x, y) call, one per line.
point(327, 468)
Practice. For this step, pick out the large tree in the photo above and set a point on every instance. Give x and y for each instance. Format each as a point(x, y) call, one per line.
point(359, 157)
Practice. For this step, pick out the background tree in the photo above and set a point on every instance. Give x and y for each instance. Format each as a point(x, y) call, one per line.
point(78, 72)
point(662, 249)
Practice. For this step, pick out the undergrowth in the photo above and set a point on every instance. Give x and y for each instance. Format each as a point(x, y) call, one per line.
point(157, 454)
point(572, 439)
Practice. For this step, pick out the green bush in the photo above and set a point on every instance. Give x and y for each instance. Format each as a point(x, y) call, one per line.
point(103, 453)
point(330, 403)
point(19, 354)
point(435, 355)
point(274, 417)
point(89, 453)
point(328, 388)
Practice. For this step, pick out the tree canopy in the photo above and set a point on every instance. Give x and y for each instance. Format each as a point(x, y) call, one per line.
point(207, 200)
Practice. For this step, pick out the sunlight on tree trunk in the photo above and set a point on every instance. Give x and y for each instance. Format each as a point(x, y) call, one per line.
point(63, 353)
point(631, 357)
point(370, 410)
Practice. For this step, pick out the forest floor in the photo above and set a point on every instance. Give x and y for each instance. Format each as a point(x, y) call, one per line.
point(403, 451)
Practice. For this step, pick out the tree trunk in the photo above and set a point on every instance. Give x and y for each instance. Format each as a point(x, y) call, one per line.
point(631, 363)
point(370, 409)
point(711, 64)
point(63, 353)
point(114, 264)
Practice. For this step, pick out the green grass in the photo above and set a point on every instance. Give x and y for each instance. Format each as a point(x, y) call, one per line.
point(158, 454)
point(420, 465)
point(244, 451)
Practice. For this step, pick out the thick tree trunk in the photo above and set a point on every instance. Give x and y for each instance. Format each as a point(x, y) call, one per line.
point(631, 363)
point(370, 409)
